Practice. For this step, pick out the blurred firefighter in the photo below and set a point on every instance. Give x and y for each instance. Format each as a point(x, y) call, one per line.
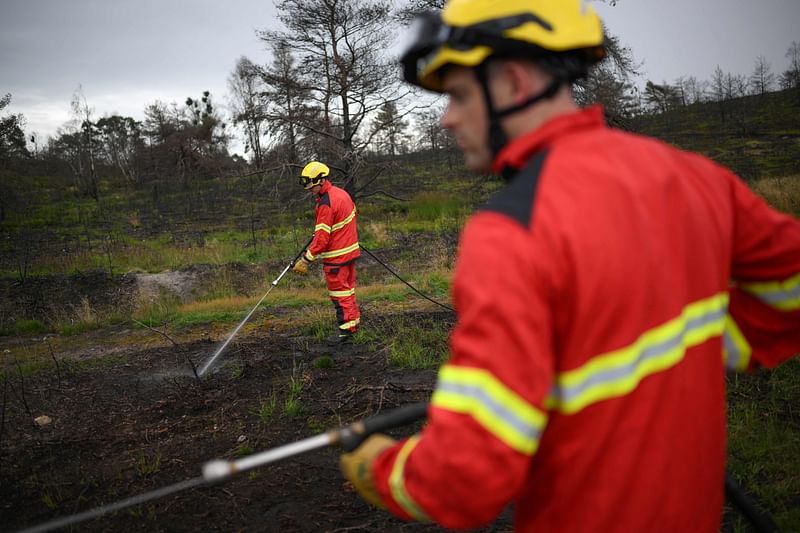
point(336, 243)
point(601, 295)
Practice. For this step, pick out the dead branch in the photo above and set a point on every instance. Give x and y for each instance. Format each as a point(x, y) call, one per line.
point(174, 343)
point(53, 356)
point(385, 194)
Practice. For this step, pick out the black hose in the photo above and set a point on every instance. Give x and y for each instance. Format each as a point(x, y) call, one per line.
point(387, 267)
point(760, 520)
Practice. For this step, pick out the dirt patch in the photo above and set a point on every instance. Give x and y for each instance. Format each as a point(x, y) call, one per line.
point(137, 421)
point(183, 284)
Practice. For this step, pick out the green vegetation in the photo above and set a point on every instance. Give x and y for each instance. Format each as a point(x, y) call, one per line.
point(146, 466)
point(411, 342)
point(325, 361)
point(292, 405)
point(265, 409)
point(763, 439)
point(29, 327)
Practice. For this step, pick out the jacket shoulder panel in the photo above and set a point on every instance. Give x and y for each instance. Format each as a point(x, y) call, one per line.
point(325, 199)
point(516, 199)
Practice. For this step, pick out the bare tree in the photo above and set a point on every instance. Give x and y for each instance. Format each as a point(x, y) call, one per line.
point(247, 107)
point(720, 91)
point(341, 45)
point(78, 144)
point(430, 130)
point(762, 79)
point(693, 90)
point(790, 79)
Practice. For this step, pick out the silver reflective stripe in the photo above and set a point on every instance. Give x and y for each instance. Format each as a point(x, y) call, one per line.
point(653, 351)
point(479, 395)
point(779, 298)
point(733, 355)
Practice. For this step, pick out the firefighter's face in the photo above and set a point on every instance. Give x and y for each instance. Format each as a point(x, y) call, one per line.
point(466, 117)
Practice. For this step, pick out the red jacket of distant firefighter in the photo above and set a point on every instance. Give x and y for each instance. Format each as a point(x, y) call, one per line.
point(600, 297)
point(335, 234)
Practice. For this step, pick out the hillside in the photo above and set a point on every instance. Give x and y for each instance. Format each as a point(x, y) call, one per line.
point(756, 136)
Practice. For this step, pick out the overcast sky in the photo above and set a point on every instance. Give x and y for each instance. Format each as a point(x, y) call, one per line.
point(126, 54)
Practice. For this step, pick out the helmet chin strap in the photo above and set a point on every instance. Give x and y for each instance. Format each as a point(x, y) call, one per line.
point(497, 136)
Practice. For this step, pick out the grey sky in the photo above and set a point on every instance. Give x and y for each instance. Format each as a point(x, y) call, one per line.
point(691, 37)
point(127, 53)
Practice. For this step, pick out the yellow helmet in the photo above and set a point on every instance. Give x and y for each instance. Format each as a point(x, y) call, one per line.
point(313, 174)
point(469, 31)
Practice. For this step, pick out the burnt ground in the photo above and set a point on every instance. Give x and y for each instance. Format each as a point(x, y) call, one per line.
point(139, 420)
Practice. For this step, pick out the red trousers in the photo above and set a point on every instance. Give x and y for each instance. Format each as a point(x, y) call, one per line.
point(341, 280)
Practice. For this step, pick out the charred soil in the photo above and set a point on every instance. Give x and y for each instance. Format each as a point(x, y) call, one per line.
point(140, 419)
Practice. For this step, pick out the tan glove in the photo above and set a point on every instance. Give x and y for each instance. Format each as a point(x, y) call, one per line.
point(357, 466)
point(301, 266)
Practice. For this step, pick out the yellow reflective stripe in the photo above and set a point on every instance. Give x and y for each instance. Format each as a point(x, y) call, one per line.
point(346, 221)
point(783, 295)
point(351, 324)
point(500, 410)
point(337, 253)
point(341, 294)
point(736, 350)
point(324, 227)
point(618, 372)
point(397, 483)
point(310, 256)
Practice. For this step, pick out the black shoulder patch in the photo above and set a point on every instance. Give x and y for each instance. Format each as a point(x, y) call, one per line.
point(325, 200)
point(516, 199)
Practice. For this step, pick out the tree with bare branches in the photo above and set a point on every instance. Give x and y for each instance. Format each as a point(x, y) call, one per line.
point(341, 45)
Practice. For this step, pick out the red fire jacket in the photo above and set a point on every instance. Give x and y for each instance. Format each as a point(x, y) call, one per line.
point(335, 233)
point(600, 297)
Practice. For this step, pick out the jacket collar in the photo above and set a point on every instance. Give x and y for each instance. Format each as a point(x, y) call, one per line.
point(516, 153)
point(326, 186)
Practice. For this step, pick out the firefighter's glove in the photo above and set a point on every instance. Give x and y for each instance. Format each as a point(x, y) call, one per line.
point(357, 466)
point(301, 266)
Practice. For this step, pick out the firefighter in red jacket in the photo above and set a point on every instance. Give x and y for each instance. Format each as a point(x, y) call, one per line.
point(336, 243)
point(600, 297)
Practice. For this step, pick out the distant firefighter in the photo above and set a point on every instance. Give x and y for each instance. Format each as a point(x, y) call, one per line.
point(336, 243)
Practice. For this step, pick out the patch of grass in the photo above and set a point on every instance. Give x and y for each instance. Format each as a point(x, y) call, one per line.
point(83, 317)
point(29, 327)
point(235, 370)
point(418, 344)
point(782, 193)
point(316, 425)
point(763, 439)
point(265, 409)
point(325, 361)
point(292, 405)
point(100, 362)
point(243, 450)
point(317, 323)
point(51, 500)
point(433, 205)
point(78, 328)
point(25, 368)
point(147, 466)
point(185, 320)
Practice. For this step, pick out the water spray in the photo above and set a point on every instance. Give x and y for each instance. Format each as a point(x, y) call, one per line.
point(219, 470)
point(246, 318)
